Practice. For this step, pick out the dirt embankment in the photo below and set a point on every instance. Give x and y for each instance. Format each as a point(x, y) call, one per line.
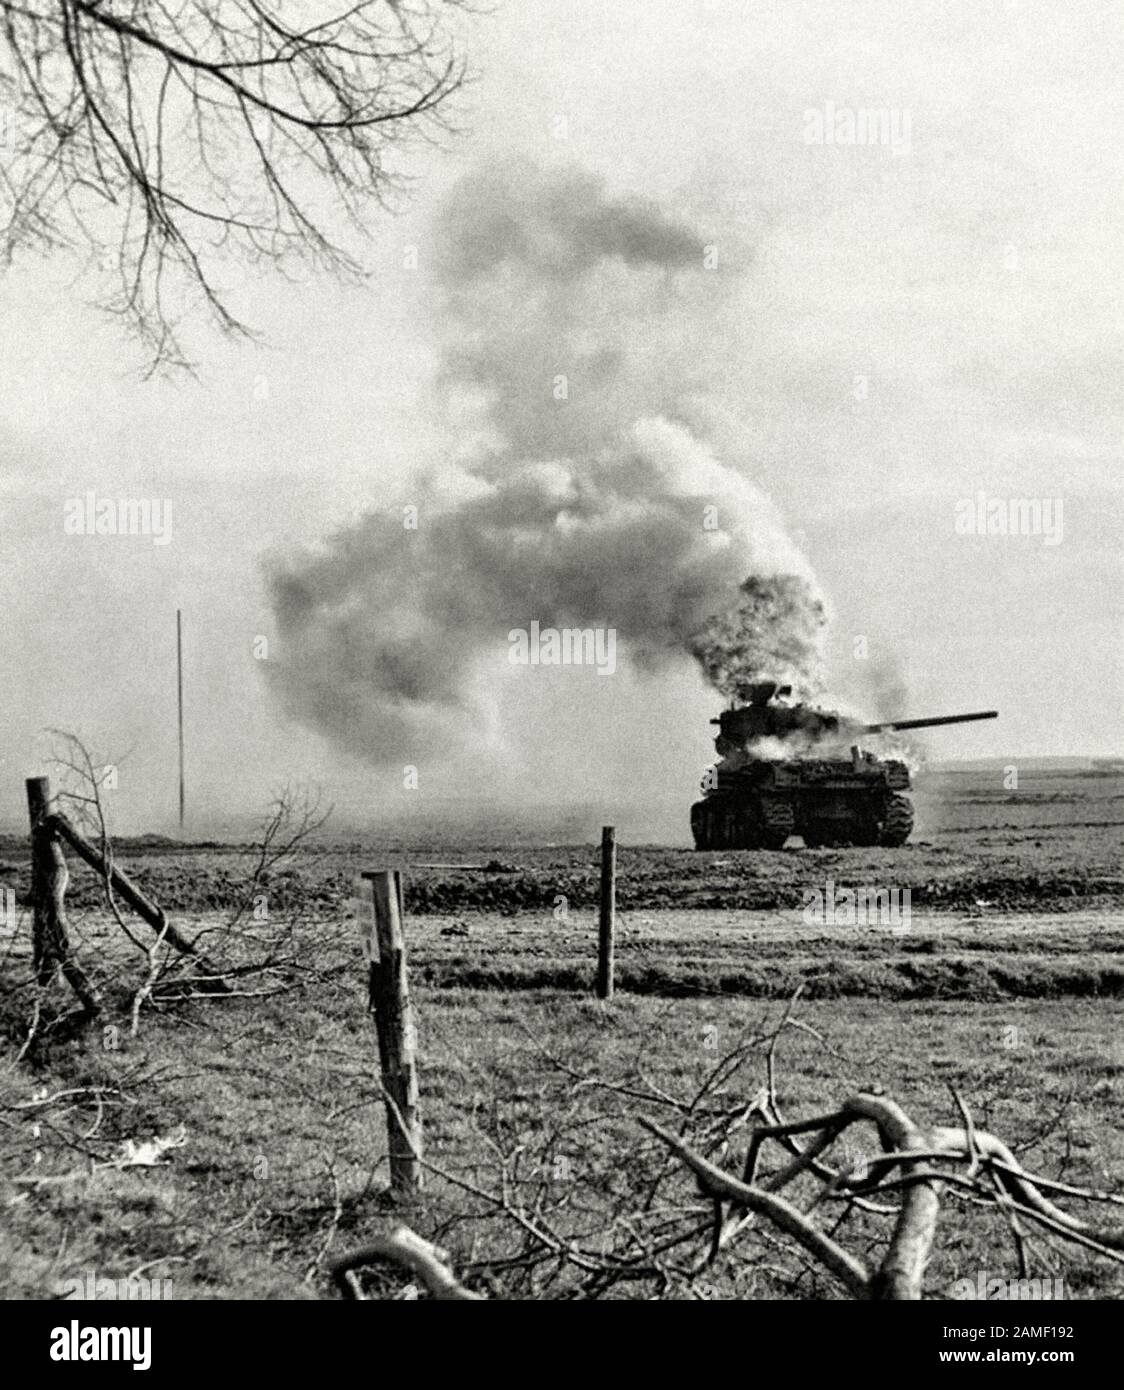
point(320, 881)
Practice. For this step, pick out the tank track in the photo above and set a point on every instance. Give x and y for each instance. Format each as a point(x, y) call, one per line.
point(718, 823)
point(897, 824)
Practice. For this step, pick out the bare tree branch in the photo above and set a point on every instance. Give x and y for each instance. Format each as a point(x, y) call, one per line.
point(167, 139)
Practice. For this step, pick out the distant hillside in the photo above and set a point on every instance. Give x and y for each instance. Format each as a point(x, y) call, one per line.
point(1060, 766)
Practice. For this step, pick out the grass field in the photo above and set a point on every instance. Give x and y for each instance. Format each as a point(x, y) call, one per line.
point(281, 1120)
point(1008, 986)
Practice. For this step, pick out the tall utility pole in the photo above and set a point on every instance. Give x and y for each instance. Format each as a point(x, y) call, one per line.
point(179, 699)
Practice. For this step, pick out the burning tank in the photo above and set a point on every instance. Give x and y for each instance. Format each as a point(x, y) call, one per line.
point(784, 770)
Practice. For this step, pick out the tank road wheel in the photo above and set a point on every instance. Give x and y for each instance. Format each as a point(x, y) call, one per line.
point(897, 823)
point(712, 825)
point(739, 830)
point(865, 833)
point(777, 822)
point(824, 835)
point(830, 837)
point(746, 835)
point(705, 826)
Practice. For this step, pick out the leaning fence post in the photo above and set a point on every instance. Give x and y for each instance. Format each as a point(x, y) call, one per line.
point(50, 944)
point(48, 882)
point(605, 963)
point(389, 1001)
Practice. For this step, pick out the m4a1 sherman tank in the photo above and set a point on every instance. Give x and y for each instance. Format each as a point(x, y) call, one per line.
point(782, 772)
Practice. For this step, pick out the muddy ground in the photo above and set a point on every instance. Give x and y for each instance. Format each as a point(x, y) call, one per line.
point(1053, 846)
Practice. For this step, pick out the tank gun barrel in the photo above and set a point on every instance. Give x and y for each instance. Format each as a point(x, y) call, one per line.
point(895, 724)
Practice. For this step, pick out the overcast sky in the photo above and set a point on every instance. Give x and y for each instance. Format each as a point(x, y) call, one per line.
point(911, 327)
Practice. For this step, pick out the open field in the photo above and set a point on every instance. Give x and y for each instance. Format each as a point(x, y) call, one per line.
point(284, 1133)
point(1008, 985)
point(941, 955)
point(1053, 846)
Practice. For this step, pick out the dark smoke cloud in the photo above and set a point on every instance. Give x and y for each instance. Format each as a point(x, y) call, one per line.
point(573, 327)
point(775, 627)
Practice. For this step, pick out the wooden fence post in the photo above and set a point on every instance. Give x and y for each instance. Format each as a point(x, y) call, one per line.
point(607, 924)
point(50, 943)
point(48, 882)
point(389, 1001)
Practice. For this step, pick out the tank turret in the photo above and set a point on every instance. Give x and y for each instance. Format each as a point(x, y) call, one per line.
point(763, 718)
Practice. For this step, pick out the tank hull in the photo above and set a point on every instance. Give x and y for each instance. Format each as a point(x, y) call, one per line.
point(826, 802)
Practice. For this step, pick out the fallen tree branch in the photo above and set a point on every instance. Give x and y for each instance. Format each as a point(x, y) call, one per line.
point(407, 1249)
point(849, 1270)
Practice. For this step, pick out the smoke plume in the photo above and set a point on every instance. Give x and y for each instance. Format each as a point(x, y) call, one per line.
point(775, 627)
point(574, 497)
